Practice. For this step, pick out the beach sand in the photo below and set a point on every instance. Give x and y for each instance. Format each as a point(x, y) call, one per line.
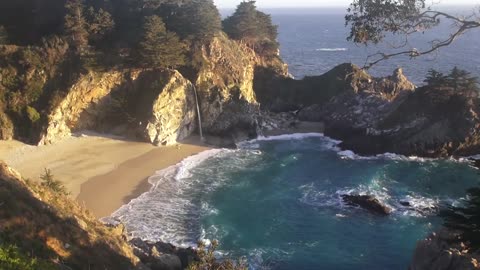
point(106, 172)
point(101, 172)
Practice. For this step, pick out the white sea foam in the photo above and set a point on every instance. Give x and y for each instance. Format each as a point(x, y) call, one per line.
point(418, 205)
point(169, 212)
point(331, 49)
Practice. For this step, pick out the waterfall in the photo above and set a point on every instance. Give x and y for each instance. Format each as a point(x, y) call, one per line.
point(198, 114)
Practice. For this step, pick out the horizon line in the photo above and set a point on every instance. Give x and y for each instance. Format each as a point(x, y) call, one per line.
point(335, 6)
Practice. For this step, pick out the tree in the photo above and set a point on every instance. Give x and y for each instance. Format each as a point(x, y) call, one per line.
point(371, 20)
point(75, 25)
point(100, 23)
point(253, 27)
point(159, 47)
point(461, 80)
point(197, 20)
point(435, 78)
point(3, 35)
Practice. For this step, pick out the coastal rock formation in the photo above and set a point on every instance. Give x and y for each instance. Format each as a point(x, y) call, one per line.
point(367, 202)
point(377, 115)
point(225, 83)
point(155, 106)
point(443, 251)
point(172, 117)
point(78, 108)
point(159, 106)
point(432, 121)
point(163, 256)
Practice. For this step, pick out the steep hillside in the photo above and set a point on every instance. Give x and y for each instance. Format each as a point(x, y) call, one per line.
point(44, 224)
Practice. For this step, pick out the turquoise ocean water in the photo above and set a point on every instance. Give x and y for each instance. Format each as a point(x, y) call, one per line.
point(277, 202)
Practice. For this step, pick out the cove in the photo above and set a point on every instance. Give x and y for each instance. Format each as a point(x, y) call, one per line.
point(277, 201)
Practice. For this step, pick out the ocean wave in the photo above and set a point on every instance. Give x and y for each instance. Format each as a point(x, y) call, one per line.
point(327, 142)
point(411, 204)
point(170, 212)
point(331, 49)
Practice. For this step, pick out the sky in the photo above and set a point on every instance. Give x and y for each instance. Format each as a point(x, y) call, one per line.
point(319, 3)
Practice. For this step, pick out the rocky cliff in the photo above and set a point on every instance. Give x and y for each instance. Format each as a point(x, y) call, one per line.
point(151, 105)
point(377, 115)
point(443, 251)
point(158, 106)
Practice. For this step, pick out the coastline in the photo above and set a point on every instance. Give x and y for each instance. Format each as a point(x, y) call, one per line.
point(106, 172)
point(101, 172)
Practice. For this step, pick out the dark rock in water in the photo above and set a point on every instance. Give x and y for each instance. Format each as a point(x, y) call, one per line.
point(476, 163)
point(405, 203)
point(163, 256)
point(367, 202)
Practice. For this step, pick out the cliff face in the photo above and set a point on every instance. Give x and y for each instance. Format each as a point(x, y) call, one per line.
point(160, 106)
point(437, 252)
point(226, 86)
point(377, 115)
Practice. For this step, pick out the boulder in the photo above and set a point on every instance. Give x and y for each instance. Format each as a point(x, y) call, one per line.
point(444, 251)
point(163, 256)
point(367, 202)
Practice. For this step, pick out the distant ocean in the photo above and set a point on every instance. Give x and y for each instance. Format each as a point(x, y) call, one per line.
point(313, 41)
point(277, 201)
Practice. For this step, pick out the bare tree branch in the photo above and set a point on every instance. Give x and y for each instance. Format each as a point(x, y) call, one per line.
point(464, 26)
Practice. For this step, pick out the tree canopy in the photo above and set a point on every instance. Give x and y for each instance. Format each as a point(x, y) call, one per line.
point(371, 20)
point(197, 20)
point(76, 24)
point(253, 27)
point(160, 48)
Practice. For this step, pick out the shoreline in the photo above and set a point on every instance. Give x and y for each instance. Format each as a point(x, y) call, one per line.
point(106, 193)
point(104, 172)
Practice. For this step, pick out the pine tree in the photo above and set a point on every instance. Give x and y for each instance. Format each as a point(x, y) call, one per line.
point(99, 23)
point(197, 20)
point(160, 48)
point(462, 80)
point(253, 27)
point(435, 78)
point(75, 25)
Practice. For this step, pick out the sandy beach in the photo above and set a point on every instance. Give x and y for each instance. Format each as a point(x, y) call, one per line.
point(102, 172)
point(106, 172)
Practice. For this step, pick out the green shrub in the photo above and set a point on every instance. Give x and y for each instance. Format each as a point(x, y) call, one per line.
point(11, 258)
point(207, 260)
point(51, 183)
point(32, 114)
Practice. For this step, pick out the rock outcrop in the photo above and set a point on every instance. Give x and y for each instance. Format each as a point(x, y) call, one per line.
point(78, 109)
point(160, 106)
point(225, 83)
point(154, 106)
point(163, 256)
point(377, 115)
point(444, 251)
point(367, 202)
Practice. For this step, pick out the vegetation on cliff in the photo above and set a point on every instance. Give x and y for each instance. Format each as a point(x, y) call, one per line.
point(48, 47)
point(41, 228)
